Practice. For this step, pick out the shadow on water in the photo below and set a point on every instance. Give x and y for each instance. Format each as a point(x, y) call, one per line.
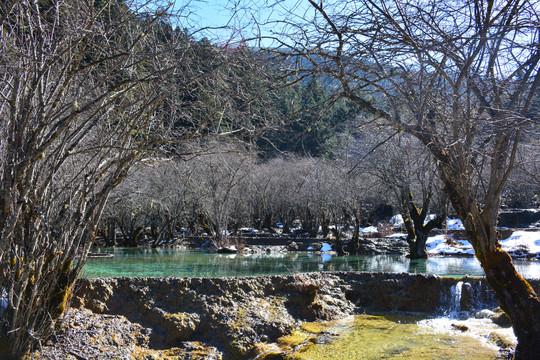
point(418, 266)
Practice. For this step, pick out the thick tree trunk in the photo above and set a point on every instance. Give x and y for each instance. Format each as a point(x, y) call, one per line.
point(268, 221)
point(356, 234)
point(414, 220)
point(338, 242)
point(417, 246)
point(516, 297)
point(513, 293)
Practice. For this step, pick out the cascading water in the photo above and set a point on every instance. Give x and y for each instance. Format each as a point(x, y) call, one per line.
point(465, 311)
point(465, 298)
point(455, 303)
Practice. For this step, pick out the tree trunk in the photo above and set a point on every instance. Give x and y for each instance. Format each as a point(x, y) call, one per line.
point(516, 297)
point(111, 232)
point(417, 247)
point(338, 242)
point(325, 226)
point(416, 238)
point(356, 234)
point(414, 220)
point(268, 221)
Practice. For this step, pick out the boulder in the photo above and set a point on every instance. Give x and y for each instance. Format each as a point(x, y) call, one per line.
point(500, 318)
point(466, 300)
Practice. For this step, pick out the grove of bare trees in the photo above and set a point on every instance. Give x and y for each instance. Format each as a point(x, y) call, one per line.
point(215, 195)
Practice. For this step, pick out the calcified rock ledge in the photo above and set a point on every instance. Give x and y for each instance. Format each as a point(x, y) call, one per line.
point(234, 318)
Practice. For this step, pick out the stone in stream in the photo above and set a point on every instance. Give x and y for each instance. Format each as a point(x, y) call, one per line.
point(466, 301)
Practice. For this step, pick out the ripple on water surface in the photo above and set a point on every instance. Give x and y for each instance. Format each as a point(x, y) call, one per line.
point(406, 337)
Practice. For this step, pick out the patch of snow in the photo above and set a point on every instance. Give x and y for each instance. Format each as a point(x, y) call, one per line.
point(438, 244)
point(247, 229)
point(326, 247)
point(397, 220)
point(455, 224)
point(520, 240)
point(526, 242)
point(369, 229)
point(397, 235)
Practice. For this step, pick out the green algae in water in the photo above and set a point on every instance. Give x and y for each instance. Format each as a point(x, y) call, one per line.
point(398, 337)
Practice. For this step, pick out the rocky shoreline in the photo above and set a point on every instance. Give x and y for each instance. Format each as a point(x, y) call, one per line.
point(236, 318)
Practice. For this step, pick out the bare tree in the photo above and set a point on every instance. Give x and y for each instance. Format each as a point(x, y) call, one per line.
point(150, 205)
point(459, 77)
point(523, 187)
point(276, 188)
point(407, 176)
point(218, 180)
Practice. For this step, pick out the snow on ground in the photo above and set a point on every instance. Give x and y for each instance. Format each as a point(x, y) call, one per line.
point(520, 243)
point(397, 235)
point(454, 224)
point(446, 245)
point(397, 220)
point(523, 241)
point(369, 229)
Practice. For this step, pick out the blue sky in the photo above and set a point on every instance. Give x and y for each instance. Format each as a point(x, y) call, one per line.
point(211, 15)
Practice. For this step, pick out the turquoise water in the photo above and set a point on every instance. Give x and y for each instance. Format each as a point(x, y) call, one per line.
point(171, 262)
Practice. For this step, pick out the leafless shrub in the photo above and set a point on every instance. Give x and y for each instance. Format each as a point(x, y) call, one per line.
point(384, 228)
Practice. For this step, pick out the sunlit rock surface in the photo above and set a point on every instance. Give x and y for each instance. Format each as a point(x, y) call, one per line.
point(241, 317)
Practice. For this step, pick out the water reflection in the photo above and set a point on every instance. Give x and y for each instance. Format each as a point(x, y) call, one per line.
point(418, 266)
point(170, 262)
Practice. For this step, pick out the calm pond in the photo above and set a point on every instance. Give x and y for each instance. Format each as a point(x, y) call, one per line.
point(131, 262)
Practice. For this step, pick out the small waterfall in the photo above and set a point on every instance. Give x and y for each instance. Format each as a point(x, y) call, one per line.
point(463, 298)
point(455, 302)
